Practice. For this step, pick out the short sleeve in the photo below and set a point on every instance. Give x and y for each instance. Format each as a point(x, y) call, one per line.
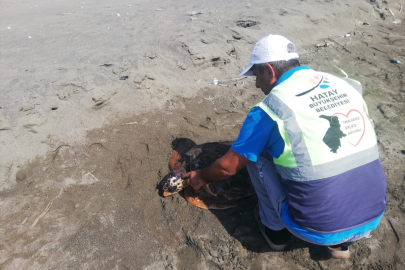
point(259, 132)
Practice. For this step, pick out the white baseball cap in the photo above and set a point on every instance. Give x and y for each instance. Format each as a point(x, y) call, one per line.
point(269, 49)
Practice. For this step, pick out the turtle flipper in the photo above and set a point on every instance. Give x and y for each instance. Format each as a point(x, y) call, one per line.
point(204, 200)
point(175, 160)
point(180, 147)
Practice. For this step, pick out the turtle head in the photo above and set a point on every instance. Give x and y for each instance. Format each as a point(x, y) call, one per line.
point(171, 184)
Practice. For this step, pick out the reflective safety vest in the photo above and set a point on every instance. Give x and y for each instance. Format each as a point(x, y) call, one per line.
point(324, 123)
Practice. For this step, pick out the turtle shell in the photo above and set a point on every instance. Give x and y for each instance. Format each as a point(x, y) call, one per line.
point(215, 195)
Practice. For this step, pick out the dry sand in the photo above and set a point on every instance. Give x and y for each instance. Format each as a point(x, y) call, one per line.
point(93, 94)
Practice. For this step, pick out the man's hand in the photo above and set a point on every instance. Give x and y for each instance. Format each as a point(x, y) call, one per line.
point(220, 170)
point(194, 179)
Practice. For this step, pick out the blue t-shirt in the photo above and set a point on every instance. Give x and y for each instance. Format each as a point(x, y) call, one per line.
point(259, 132)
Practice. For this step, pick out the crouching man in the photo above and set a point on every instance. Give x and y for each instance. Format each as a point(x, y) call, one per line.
point(311, 152)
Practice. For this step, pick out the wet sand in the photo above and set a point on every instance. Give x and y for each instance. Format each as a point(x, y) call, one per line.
point(94, 93)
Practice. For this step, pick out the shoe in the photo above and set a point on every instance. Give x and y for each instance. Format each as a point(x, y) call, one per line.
point(339, 252)
point(277, 240)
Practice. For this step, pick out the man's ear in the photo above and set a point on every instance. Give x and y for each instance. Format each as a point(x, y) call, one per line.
point(273, 73)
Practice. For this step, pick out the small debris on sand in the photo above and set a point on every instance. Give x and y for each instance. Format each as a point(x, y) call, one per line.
point(42, 214)
point(20, 176)
point(194, 13)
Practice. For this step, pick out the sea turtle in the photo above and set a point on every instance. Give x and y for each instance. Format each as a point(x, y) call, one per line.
point(215, 195)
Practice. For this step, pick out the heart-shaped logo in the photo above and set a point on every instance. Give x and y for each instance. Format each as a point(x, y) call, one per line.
point(352, 125)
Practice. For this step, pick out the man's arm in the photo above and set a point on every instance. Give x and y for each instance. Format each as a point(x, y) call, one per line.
point(220, 170)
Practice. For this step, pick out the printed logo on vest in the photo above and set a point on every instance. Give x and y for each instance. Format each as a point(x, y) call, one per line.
point(317, 80)
point(350, 126)
point(354, 125)
point(333, 134)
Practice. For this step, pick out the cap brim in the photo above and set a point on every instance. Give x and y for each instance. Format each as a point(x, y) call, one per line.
point(247, 71)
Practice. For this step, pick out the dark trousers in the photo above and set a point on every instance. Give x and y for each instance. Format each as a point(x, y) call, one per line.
point(343, 245)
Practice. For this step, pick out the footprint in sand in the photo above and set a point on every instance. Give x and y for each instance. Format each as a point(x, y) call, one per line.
point(388, 110)
point(204, 57)
point(66, 90)
point(248, 23)
point(101, 98)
